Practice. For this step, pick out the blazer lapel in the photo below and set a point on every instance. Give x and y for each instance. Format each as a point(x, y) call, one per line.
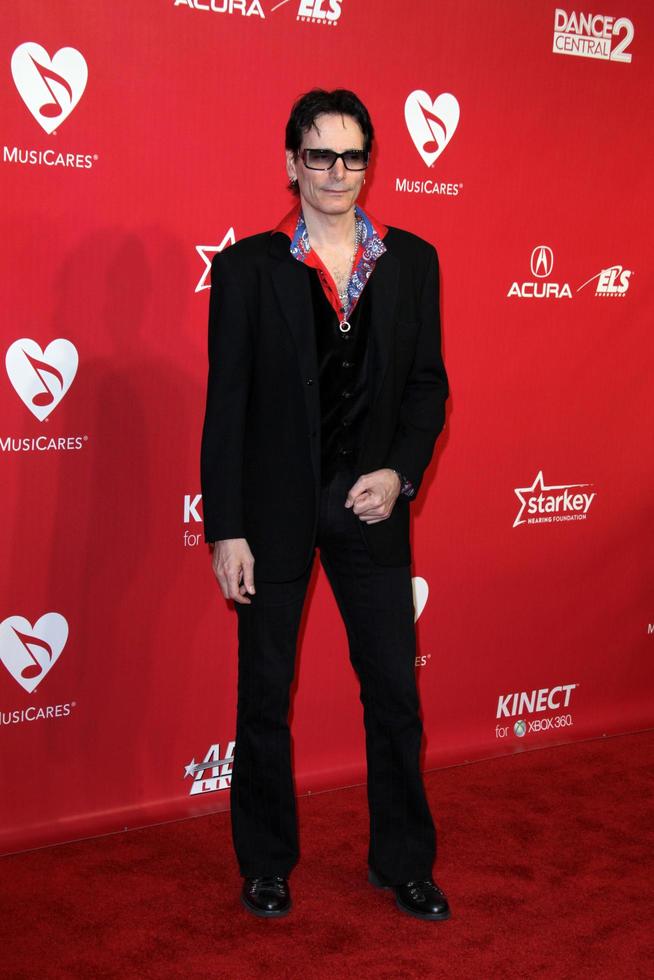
point(294, 296)
point(293, 292)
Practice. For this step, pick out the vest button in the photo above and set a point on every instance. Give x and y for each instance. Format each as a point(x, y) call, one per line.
point(309, 381)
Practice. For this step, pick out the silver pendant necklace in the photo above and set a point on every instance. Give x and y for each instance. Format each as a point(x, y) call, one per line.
point(344, 325)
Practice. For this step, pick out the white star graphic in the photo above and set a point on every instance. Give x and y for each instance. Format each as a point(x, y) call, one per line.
point(206, 253)
point(190, 769)
point(538, 484)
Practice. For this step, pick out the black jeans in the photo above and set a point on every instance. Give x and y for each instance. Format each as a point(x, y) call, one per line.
point(377, 608)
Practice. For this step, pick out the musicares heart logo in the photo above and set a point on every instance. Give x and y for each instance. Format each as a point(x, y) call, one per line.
point(420, 596)
point(49, 87)
point(30, 652)
point(41, 378)
point(431, 124)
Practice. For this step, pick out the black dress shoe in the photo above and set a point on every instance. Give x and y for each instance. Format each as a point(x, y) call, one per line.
point(266, 896)
point(422, 899)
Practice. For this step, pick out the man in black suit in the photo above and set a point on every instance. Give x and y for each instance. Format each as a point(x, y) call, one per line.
point(326, 393)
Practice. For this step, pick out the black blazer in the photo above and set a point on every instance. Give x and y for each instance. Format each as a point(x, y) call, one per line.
point(261, 439)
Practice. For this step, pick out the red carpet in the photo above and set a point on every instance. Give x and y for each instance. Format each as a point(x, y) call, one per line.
point(546, 858)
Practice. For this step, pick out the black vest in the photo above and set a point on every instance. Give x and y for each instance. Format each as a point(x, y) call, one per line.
point(343, 379)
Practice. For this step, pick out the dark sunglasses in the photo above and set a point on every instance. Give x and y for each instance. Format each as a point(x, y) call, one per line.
point(325, 159)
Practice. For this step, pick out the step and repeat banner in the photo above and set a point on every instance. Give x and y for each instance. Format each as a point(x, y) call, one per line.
point(139, 139)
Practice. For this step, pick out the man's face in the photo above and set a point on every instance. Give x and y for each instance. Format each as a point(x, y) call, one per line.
point(329, 191)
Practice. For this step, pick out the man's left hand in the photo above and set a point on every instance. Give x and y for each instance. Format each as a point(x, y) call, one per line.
point(373, 496)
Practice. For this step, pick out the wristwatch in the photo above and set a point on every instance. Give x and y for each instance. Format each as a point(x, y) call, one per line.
point(407, 488)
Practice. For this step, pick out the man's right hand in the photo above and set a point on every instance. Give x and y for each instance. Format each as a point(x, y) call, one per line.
point(233, 566)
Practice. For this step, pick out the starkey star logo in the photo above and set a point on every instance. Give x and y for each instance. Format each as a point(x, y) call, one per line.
point(542, 504)
point(206, 253)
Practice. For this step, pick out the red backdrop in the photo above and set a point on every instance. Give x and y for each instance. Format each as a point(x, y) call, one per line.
point(139, 138)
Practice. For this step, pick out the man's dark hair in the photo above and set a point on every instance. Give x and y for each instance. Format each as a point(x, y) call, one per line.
point(340, 102)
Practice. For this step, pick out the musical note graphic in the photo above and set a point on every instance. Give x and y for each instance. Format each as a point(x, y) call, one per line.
point(34, 668)
point(431, 122)
point(431, 146)
point(54, 108)
point(46, 397)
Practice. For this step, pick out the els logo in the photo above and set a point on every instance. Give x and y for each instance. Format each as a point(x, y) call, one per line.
point(613, 282)
point(41, 378)
point(319, 11)
point(49, 87)
point(30, 652)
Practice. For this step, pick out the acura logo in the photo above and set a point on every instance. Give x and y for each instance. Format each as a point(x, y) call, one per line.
point(542, 261)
